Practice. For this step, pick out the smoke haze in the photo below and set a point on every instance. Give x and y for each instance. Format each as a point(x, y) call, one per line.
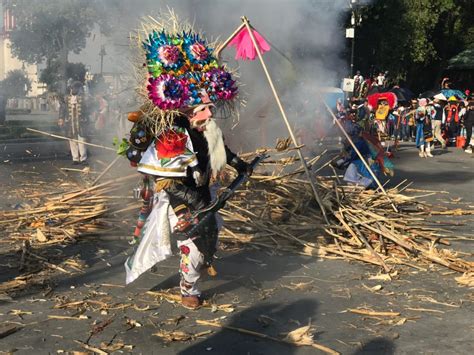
point(306, 36)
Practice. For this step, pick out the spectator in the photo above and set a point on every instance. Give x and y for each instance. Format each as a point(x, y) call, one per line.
point(358, 80)
point(404, 126)
point(445, 83)
point(75, 120)
point(452, 119)
point(423, 130)
point(102, 112)
point(468, 123)
point(438, 118)
point(380, 80)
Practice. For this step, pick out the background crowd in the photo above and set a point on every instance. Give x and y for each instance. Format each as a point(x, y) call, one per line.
point(442, 117)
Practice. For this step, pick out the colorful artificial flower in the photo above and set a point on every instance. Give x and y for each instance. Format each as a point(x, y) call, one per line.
point(184, 249)
point(169, 55)
point(184, 268)
point(171, 144)
point(163, 51)
point(219, 84)
point(180, 67)
point(196, 50)
point(168, 92)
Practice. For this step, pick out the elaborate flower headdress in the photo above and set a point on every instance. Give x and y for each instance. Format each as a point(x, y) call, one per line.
point(179, 65)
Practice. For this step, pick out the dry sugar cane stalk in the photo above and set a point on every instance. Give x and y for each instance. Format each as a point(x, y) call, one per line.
point(106, 170)
point(89, 189)
point(69, 139)
point(265, 336)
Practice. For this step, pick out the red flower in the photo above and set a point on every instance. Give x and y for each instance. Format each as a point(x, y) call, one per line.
point(171, 144)
point(184, 268)
point(184, 249)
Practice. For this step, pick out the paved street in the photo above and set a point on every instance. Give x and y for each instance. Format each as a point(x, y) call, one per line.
point(271, 292)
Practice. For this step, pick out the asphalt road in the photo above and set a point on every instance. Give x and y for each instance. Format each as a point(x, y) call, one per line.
point(272, 292)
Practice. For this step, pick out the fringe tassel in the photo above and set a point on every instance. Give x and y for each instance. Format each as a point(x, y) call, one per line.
point(162, 184)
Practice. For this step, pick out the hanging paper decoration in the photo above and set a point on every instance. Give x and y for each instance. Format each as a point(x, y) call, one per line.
point(245, 47)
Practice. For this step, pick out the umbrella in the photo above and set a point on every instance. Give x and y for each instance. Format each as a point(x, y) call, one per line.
point(375, 90)
point(440, 96)
point(402, 94)
point(451, 92)
point(446, 92)
point(408, 93)
point(429, 94)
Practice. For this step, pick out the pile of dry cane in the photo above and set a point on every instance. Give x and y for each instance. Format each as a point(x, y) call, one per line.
point(279, 212)
point(57, 218)
point(63, 216)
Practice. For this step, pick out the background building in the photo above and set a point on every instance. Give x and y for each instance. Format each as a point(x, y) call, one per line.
point(7, 61)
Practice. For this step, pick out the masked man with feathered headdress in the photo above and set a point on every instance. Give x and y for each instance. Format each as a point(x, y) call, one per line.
point(177, 145)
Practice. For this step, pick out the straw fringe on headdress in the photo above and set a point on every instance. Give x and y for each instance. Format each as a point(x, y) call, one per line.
point(173, 64)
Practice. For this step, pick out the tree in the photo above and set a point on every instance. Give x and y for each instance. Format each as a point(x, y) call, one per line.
point(48, 30)
point(52, 78)
point(414, 40)
point(15, 84)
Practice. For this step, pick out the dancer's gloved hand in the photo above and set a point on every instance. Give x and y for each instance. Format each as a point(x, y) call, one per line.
point(241, 166)
point(185, 220)
point(198, 176)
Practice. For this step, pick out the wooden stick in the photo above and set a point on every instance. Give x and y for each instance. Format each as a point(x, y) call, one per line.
point(219, 49)
point(288, 126)
point(359, 236)
point(106, 170)
point(367, 312)
point(69, 139)
point(360, 156)
point(91, 348)
point(89, 189)
point(265, 336)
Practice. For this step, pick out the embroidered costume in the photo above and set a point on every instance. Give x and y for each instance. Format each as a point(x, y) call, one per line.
point(76, 121)
point(179, 148)
point(424, 134)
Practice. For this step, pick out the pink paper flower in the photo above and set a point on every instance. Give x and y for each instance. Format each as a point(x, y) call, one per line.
point(168, 92)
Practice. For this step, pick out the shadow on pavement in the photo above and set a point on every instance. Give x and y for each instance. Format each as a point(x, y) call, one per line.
point(277, 318)
point(377, 346)
point(248, 269)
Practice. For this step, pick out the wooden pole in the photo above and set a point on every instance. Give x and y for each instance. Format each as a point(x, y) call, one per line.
point(351, 142)
point(106, 170)
point(290, 130)
point(69, 139)
point(323, 348)
point(218, 51)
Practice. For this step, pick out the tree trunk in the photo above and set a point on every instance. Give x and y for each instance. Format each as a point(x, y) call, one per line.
point(63, 60)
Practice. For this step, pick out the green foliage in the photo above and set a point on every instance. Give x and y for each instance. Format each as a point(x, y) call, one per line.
point(122, 147)
point(52, 78)
point(48, 30)
point(15, 84)
point(413, 39)
point(45, 27)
